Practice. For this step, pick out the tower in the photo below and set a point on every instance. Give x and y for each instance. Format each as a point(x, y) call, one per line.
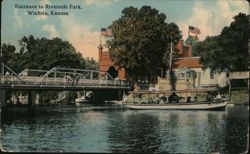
point(100, 48)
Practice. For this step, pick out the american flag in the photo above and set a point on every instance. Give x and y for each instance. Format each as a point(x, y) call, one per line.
point(193, 30)
point(106, 32)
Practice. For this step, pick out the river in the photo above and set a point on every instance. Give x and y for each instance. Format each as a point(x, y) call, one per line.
point(99, 129)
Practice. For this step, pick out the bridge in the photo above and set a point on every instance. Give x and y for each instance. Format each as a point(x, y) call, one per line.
point(58, 79)
point(244, 75)
point(239, 75)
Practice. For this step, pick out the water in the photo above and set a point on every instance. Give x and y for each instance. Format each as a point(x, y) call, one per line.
point(87, 129)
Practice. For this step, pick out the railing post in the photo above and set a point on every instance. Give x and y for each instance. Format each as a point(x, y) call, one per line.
point(91, 75)
point(230, 87)
point(64, 79)
point(2, 69)
point(2, 72)
point(55, 76)
point(11, 79)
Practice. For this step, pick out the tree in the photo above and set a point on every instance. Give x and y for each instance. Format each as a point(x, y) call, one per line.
point(141, 40)
point(8, 55)
point(210, 51)
point(47, 53)
point(235, 42)
point(229, 50)
point(43, 53)
point(91, 64)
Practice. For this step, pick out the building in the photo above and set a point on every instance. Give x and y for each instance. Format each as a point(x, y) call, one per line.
point(204, 78)
point(106, 64)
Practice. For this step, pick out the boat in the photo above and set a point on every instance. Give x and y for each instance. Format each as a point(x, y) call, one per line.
point(173, 100)
point(81, 100)
point(180, 106)
point(114, 102)
point(86, 98)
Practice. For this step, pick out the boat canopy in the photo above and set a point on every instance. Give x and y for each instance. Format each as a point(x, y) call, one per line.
point(175, 91)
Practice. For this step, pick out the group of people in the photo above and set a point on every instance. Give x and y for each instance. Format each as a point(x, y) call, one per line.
point(218, 97)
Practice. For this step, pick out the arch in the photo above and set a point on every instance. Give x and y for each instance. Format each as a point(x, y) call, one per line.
point(113, 72)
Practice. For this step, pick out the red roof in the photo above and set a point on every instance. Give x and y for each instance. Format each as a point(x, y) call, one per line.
point(189, 62)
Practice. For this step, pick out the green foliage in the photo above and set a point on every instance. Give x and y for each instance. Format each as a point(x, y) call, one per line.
point(43, 53)
point(141, 39)
point(91, 64)
point(229, 50)
point(8, 55)
point(209, 51)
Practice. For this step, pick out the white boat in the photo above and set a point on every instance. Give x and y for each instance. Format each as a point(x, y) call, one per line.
point(180, 106)
point(115, 102)
point(142, 100)
point(81, 100)
point(86, 98)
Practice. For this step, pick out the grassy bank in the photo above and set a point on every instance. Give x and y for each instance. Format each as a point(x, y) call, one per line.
point(239, 97)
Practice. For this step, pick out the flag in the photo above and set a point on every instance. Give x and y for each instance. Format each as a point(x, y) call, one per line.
point(106, 32)
point(193, 30)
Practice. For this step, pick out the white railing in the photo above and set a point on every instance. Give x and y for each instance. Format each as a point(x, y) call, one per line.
point(12, 80)
point(57, 77)
point(239, 75)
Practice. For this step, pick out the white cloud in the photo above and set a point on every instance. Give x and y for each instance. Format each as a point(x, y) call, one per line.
point(51, 29)
point(212, 20)
point(99, 2)
point(43, 17)
point(19, 20)
point(83, 39)
point(200, 18)
point(229, 8)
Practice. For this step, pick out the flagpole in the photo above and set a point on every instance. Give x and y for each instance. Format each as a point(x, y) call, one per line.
point(101, 37)
point(170, 60)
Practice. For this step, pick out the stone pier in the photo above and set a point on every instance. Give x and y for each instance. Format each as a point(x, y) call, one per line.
point(2, 98)
point(32, 98)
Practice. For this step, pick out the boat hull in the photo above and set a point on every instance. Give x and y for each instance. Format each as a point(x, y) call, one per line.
point(179, 106)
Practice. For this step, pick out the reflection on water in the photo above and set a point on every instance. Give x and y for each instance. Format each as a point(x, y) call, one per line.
point(133, 132)
point(80, 129)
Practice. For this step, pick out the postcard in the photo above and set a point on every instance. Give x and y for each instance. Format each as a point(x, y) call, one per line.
point(122, 76)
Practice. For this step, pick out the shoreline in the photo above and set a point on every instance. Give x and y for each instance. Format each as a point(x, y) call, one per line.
point(239, 97)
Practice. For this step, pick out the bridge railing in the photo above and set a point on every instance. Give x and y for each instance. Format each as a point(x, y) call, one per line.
point(239, 75)
point(58, 77)
point(12, 80)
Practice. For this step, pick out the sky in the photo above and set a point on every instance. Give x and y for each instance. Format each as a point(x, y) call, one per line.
point(81, 27)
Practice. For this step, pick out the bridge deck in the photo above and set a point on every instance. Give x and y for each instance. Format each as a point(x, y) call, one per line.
point(60, 83)
point(58, 78)
point(239, 75)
